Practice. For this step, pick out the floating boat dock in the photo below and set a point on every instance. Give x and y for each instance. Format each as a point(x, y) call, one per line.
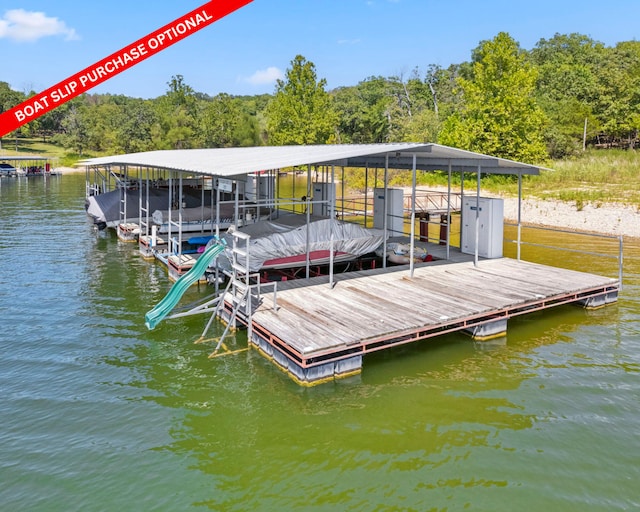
point(318, 329)
point(317, 333)
point(25, 165)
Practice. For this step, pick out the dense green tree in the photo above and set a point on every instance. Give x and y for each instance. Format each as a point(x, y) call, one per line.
point(135, 132)
point(568, 67)
point(382, 109)
point(445, 96)
point(423, 126)
point(568, 88)
point(9, 99)
point(51, 123)
point(178, 115)
point(301, 111)
point(362, 112)
point(75, 126)
point(415, 113)
point(226, 124)
point(500, 115)
point(254, 129)
point(367, 111)
point(492, 104)
point(219, 121)
point(619, 103)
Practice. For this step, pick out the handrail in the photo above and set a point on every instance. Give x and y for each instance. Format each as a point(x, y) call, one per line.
point(619, 239)
point(426, 201)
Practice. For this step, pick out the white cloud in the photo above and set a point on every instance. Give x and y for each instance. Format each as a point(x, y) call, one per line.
point(20, 25)
point(265, 76)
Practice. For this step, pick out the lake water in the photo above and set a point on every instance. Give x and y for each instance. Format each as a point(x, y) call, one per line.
point(98, 413)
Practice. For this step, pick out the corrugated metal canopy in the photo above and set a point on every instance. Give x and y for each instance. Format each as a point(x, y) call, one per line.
point(227, 162)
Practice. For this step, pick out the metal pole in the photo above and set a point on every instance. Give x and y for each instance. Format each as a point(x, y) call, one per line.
point(308, 262)
point(217, 203)
point(202, 205)
point(384, 211)
point(170, 241)
point(214, 208)
point(236, 205)
point(475, 256)
point(413, 216)
point(123, 195)
point(366, 191)
point(620, 257)
point(180, 218)
point(448, 241)
point(519, 214)
point(332, 217)
point(342, 186)
point(461, 199)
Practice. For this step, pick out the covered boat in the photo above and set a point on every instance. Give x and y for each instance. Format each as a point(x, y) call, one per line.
point(286, 241)
point(105, 208)
point(196, 219)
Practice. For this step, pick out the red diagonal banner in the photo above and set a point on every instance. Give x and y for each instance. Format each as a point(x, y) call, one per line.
point(116, 63)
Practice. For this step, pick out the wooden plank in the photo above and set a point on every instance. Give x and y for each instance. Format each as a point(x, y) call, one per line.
point(371, 305)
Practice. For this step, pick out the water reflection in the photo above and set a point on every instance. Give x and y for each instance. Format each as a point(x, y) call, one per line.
point(261, 438)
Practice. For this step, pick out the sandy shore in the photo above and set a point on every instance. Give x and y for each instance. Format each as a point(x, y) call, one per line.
point(69, 170)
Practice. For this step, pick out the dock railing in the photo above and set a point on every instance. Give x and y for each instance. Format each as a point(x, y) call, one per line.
point(434, 201)
point(573, 246)
point(427, 202)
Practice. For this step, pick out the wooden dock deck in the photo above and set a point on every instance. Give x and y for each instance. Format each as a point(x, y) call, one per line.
point(317, 333)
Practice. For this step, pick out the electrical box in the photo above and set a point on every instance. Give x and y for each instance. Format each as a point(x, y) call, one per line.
point(326, 193)
point(395, 210)
point(260, 187)
point(490, 222)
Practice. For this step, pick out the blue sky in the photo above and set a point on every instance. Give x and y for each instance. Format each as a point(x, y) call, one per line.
point(42, 42)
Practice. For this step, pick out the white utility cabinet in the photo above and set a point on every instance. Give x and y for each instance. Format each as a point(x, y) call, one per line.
point(395, 210)
point(490, 213)
point(326, 193)
point(259, 187)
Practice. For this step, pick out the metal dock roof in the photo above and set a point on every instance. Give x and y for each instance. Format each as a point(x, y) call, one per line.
point(226, 162)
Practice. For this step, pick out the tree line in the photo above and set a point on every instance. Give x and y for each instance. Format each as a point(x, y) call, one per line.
point(549, 102)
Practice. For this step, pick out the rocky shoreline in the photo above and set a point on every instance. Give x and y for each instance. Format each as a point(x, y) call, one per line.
point(605, 219)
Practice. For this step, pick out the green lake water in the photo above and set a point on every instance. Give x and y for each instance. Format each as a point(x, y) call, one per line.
point(100, 414)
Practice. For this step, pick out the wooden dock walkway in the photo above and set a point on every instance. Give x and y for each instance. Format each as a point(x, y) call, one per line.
point(318, 333)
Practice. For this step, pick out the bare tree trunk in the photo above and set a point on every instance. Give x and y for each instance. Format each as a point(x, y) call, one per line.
point(435, 98)
point(406, 94)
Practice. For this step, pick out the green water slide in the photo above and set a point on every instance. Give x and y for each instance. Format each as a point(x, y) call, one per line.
point(171, 299)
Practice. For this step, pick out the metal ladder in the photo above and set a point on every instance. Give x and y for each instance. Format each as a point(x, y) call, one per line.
point(242, 294)
point(238, 289)
point(143, 206)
